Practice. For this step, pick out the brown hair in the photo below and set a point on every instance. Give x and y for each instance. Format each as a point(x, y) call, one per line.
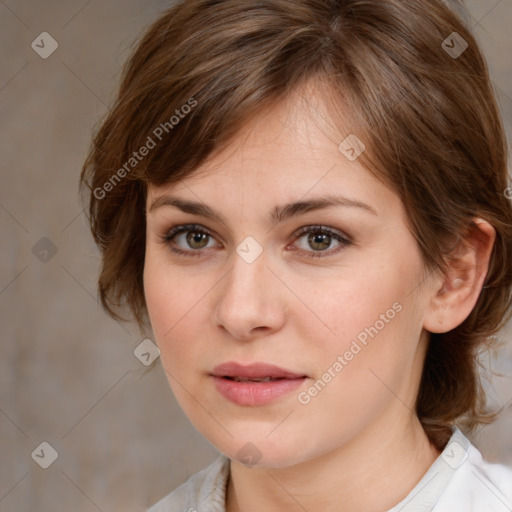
point(427, 116)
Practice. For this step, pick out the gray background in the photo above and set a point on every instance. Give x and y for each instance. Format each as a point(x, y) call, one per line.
point(68, 375)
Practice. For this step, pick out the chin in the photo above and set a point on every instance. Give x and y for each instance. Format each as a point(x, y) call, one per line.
point(262, 454)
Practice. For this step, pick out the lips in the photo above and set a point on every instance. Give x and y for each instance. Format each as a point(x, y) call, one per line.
point(255, 372)
point(258, 379)
point(257, 384)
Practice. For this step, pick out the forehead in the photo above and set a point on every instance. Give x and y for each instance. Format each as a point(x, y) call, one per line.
point(288, 151)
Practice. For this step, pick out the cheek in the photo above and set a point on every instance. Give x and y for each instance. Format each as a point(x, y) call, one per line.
point(368, 316)
point(177, 303)
point(341, 307)
point(168, 301)
point(377, 326)
point(169, 293)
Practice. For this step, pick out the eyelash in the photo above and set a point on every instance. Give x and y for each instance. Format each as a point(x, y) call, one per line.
point(167, 239)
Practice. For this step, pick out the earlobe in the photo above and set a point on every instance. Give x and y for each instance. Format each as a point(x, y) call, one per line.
point(467, 265)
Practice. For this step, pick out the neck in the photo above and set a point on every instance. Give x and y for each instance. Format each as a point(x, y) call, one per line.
point(373, 472)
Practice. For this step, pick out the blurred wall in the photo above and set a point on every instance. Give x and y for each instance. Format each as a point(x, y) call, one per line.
point(68, 373)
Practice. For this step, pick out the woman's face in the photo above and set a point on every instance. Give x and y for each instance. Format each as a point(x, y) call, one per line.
point(340, 308)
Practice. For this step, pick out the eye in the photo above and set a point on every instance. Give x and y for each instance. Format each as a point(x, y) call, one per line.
point(319, 238)
point(196, 238)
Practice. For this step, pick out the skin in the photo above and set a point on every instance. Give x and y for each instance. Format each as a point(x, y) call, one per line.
point(360, 432)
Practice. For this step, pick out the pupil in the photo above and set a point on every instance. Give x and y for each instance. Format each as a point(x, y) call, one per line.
point(321, 239)
point(196, 238)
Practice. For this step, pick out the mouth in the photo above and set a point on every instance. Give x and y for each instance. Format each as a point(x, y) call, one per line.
point(254, 372)
point(247, 379)
point(256, 384)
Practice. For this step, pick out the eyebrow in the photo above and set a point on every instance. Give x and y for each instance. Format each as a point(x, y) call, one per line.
point(277, 215)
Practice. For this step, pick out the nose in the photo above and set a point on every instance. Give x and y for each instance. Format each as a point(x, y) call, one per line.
point(250, 300)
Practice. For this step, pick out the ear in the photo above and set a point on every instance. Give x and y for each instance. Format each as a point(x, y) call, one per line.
point(458, 289)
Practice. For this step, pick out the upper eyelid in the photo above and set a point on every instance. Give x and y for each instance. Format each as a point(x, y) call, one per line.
point(183, 228)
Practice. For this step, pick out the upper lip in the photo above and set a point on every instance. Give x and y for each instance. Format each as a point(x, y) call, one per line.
point(254, 371)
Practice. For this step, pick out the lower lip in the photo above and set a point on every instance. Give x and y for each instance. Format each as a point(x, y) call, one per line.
point(255, 393)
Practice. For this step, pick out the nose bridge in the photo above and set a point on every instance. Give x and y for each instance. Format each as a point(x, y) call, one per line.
point(249, 267)
point(244, 302)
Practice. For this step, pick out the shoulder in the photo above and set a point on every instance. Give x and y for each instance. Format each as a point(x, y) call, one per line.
point(476, 484)
point(460, 480)
point(206, 488)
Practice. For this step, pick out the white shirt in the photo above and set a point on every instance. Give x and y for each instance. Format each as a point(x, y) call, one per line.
point(459, 480)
